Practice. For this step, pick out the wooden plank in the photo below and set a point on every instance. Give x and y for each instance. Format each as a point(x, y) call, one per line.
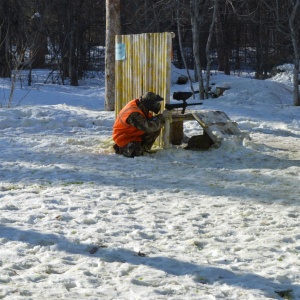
point(180, 117)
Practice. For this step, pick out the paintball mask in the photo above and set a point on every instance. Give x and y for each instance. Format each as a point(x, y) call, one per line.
point(151, 101)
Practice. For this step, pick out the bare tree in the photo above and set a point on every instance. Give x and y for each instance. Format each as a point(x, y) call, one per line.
point(181, 46)
point(286, 15)
point(71, 28)
point(113, 26)
point(221, 30)
point(4, 40)
point(67, 28)
point(208, 45)
point(142, 16)
point(196, 7)
point(294, 29)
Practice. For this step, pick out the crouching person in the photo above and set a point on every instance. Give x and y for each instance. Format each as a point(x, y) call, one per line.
point(136, 129)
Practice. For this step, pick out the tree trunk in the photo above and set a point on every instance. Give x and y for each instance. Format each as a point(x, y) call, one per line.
point(72, 59)
point(295, 34)
point(181, 48)
point(208, 43)
point(222, 39)
point(4, 42)
point(195, 9)
point(39, 45)
point(237, 58)
point(220, 43)
point(113, 28)
point(259, 53)
point(82, 58)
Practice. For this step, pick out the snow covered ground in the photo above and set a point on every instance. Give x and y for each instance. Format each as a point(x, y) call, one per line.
point(79, 222)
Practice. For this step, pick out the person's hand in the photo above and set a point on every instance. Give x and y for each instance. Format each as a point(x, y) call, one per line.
point(158, 118)
point(167, 114)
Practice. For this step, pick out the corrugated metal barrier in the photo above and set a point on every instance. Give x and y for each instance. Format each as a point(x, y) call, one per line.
point(143, 63)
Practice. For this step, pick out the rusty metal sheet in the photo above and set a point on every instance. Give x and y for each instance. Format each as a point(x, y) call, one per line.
point(143, 63)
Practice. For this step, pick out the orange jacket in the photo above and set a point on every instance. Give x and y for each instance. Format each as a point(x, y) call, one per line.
point(124, 133)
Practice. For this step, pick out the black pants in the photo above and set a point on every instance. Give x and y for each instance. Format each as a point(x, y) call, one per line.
point(133, 149)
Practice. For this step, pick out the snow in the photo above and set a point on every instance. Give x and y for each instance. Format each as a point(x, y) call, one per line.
point(79, 222)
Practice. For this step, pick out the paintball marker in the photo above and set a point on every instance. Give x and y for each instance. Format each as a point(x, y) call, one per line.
point(181, 96)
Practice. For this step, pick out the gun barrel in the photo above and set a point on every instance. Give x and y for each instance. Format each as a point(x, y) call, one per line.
point(169, 106)
point(172, 106)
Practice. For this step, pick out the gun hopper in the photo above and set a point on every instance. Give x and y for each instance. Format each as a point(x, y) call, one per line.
point(181, 96)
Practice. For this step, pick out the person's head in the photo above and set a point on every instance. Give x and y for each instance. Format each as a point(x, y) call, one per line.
point(151, 101)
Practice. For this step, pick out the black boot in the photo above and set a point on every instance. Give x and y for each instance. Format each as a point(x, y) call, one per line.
point(118, 150)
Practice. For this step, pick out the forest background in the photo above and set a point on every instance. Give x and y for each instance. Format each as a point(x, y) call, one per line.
point(69, 37)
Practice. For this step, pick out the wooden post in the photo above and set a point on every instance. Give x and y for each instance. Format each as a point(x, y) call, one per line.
point(176, 134)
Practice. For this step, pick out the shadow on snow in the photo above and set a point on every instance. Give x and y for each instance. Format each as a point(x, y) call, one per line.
point(172, 266)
